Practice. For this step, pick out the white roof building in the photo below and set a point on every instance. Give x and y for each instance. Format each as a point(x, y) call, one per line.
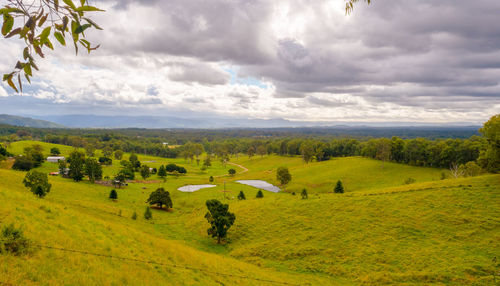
point(55, 159)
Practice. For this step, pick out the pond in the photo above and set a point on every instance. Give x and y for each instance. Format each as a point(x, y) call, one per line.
point(194, 188)
point(260, 185)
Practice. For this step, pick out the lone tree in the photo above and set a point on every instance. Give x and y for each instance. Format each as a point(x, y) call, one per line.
point(259, 194)
point(241, 196)
point(76, 165)
point(219, 218)
point(147, 214)
point(113, 194)
point(211, 179)
point(162, 173)
point(93, 169)
point(339, 189)
point(38, 183)
point(231, 172)
point(304, 194)
point(283, 175)
point(145, 173)
point(160, 197)
point(36, 21)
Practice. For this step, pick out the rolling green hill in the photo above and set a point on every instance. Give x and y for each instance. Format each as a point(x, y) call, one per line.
point(379, 232)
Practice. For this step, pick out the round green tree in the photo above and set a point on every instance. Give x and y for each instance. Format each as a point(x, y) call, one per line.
point(160, 197)
point(38, 183)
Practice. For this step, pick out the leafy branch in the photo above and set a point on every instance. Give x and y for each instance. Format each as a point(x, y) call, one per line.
point(37, 21)
point(349, 5)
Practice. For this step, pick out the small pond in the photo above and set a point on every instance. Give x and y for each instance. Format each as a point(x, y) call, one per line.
point(194, 188)
point(260, 185)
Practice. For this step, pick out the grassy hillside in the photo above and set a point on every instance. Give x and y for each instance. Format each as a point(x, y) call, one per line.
point(381, 231)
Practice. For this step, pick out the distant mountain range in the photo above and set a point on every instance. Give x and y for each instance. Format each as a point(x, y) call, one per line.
point(211, 122)
point(28, 122)
point(161, 122)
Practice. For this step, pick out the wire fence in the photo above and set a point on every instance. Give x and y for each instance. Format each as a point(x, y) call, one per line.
point(162, 264)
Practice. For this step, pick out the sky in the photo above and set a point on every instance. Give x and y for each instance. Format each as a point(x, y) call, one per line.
point(390, 61)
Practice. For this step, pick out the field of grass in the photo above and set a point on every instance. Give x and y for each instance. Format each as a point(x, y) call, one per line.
point(381, 231)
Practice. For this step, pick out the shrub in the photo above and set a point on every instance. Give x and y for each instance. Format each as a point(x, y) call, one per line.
point(443, 175)
point(471, 169)
point(23, 163)
point(339, 188)
point(304, 194)
point(211, 179)
point(105, 160)
point(134, 215)
point(113, 194)
point(241, 196)
point(12, 240)
point(55, 151)
point(409, 181)
point(259, 194)
point(173, 167)
point(147, 214)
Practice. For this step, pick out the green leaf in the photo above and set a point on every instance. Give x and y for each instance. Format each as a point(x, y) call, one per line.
point(27, 78)
point(6, 76)
point(27, 69)
point(45, 34)
point(92, 23)
point(60, 38)
point(88, 9)
point(8, 23)
point(82, 28)
point(70, 4)
point(48, 43)
point(11, 10)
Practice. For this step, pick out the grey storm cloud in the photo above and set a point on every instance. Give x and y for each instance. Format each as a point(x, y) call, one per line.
point(444, 44)
point(422, 54)
point(201, 73)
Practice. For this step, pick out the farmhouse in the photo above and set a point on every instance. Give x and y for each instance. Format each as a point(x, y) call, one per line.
point(55, 159)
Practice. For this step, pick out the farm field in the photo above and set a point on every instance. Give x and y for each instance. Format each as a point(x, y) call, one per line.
point(380, 231)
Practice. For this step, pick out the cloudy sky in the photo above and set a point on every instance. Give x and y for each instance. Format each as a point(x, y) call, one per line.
point(390, 61)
